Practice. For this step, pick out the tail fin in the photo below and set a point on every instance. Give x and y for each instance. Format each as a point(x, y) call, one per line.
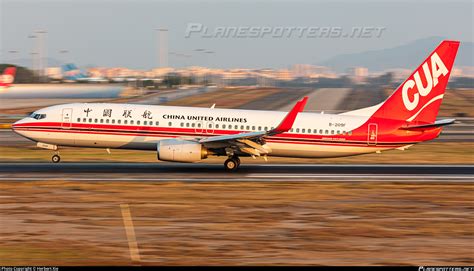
point(8, 76)
point(72, 72)
point(418, 99)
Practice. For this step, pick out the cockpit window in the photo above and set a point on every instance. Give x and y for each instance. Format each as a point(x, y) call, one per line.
point(38, 116)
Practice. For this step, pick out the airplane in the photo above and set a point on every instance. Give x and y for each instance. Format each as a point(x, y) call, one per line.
point(186, 134)
point(72, 73)
point(7, 78)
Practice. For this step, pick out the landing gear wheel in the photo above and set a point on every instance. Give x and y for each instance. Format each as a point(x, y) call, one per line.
point(55, 158)
point(237, 159)
point(231, 164)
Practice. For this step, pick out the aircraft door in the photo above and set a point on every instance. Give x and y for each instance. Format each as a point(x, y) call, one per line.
point(66, 118)
point(372, 134)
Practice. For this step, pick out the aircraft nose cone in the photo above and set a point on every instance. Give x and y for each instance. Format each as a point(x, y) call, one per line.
point(16, 124)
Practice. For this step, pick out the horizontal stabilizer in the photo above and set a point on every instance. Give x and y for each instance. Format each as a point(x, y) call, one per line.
point(436, 124)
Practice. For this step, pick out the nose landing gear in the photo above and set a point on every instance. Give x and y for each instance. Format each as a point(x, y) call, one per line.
point(232, 164)
point(56, 158)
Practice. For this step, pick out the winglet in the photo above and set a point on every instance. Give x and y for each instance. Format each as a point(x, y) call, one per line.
point(288, 121)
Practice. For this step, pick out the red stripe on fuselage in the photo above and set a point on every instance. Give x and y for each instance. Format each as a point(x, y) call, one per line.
point(127, 130)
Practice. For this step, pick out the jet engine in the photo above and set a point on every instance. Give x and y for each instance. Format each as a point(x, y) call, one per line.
point(177, 150)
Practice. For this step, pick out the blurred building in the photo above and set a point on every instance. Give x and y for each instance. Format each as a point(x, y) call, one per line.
point(312, 71)
point(298, 74)
point(463, 71)
point(54, 73)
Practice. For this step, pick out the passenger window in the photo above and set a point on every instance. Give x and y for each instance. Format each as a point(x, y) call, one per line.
point(303, 130)
point(326, 132)
point(297, 130)
point(90, 120)
point(193, 124)
point(182, 124)
point(145, 122)
point(210, 125)
point(84, 120)
point(78, 119)
point(118, 121)
point(131, 122)
point(236, 127)
point(95, 120)
point(187, 124)
point(107, 120)
point(321, 131)
point(125, 121)
point(315, 131)
point(157, 123)
point(338, 132)
point(350, 132)
point(332, 132)
point(169, 123)
point(223, 126)
point(266, 129)
point(101, 120)
point(248, 127)
point(259, 128)
point(241, 127)
point(253, 128)
point(217, 126)
point(138, 122)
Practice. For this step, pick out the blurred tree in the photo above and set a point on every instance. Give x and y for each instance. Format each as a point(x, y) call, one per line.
point(174, 80)
point(382, 80)
point(462, 82)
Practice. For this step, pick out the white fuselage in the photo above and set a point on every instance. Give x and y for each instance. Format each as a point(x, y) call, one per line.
point(130, 126)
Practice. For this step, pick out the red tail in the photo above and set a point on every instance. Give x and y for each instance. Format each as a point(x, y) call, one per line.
point(8, 76)
point(417, 100)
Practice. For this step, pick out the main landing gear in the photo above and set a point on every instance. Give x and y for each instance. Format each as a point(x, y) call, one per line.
point(56, 158)
point(232, 164)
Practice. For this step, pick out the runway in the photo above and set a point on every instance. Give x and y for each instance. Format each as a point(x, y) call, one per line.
point(249, 172)
point(186, 214)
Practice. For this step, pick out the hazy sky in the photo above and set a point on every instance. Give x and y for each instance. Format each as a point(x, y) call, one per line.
point(121, 33)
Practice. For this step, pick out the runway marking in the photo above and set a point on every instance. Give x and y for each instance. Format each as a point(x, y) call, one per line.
point(130, 231)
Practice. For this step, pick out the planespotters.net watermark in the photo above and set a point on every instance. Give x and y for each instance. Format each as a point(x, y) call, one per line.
point(198, 30)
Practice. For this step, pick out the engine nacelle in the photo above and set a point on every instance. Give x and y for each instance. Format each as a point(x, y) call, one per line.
point(177, 150)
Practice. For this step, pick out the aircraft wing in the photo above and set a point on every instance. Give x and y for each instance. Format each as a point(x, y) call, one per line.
point(253, 142)
point(232, 137)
